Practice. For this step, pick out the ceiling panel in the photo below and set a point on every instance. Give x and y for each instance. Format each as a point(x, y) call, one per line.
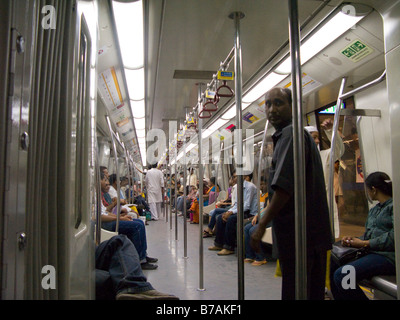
point(198, 35)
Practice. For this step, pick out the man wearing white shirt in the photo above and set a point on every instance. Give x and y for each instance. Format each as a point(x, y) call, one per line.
point(113, 193)
point(155, 189)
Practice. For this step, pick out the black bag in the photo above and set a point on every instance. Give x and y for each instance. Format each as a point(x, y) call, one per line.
point(342, 255)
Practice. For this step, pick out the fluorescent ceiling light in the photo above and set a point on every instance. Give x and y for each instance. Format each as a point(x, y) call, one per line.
point(329, 32)
point(140, 124)
point(140, 133)
point(214, 127)
point(129, 22)
point(263, 86)
point(135, 83)
point(138, 108)
point(228, 115)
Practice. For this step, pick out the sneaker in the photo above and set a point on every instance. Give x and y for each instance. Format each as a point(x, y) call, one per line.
point(248, 260)
point(146, 295)
point(225, 252)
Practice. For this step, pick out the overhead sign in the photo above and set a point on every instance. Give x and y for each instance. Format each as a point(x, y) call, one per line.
point(109, 89)
point(308, 83)
point(225, 75)
point(356, 51)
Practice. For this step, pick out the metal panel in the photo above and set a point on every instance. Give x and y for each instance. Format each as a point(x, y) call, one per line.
point(19, 75)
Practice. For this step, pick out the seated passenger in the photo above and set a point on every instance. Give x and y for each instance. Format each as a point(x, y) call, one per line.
point(225, 239)
point(189, 201)
point(119, 275)
point(378, 239)
point(213, 191)
point(134, 229)
point(194, 209)
point(251, 256)
point(210, 192)
point(113, 194)
point(220, 209)
point(227, 202)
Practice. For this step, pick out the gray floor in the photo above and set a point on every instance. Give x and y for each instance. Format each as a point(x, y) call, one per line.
point(180, 276)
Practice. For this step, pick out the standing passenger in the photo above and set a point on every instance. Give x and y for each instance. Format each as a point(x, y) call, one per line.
point(155, 190)
point(281, 211)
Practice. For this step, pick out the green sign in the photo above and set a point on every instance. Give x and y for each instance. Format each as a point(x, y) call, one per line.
point(356, 51)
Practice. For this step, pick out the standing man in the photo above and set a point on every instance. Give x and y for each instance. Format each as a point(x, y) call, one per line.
point(155, 190)
point(281, 211)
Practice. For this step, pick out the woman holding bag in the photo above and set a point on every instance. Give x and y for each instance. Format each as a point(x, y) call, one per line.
point(378, 239)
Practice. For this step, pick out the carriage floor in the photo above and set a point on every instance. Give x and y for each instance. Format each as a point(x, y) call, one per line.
point(180, 276)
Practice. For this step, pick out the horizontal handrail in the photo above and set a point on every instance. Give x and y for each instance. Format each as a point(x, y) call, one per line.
point(363, 87)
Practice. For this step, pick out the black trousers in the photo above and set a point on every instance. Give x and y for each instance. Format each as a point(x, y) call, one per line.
point(316, 275)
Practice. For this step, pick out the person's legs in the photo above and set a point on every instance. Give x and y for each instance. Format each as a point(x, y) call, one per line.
point(214, 214)
point(363, 268)
point(316, 274)
point(119, 257)
point(249, 252)
point(230, 233)
point(136, 232)
point(287, 265)
point(153, 210)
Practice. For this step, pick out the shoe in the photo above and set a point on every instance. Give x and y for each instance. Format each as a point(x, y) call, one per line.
point(148, 266)
point(146, 295)
point(215, 248)
point(154, 219)
point(248, 260)
point(259, 263)
point(151, 260)
point(225, 252)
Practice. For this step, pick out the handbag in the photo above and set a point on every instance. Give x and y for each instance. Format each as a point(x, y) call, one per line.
point(342, 255)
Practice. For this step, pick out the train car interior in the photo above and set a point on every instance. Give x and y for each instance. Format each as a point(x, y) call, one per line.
point(181, 84)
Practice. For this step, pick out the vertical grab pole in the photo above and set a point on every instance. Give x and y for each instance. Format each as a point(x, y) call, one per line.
point(165, 194)
point(236, 16)
point(170, 198)
point(184, 201)
point(98, 195)
point(201, 176)
point(332, 157)
point(298, 151)
point(176, 191)
point(116, 170)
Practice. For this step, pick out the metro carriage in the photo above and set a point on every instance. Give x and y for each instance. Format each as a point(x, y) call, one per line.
point(181, 83)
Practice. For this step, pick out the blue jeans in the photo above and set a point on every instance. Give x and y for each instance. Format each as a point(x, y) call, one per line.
point(226, 232)
point(118, 268)
point(135, 230)
point(214, 214)
point(250, 253)
point(365, 268)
